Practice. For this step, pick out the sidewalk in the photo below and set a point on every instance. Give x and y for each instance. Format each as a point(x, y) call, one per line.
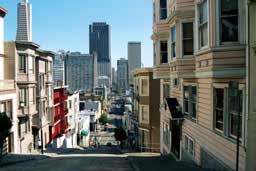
point(156, 162)
point(12, 159)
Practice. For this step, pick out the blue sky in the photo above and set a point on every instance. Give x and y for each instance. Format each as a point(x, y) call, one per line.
point(64, 24)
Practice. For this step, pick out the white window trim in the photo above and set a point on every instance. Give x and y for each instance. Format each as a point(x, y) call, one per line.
point(171, 27)
point(140, 116)
point(159, 51)
point(197, 42)
point(189, 138)
point(197, 99)
point(181, 35)
point(140, 85)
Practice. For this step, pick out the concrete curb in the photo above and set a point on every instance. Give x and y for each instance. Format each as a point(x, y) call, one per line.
point(21, 161)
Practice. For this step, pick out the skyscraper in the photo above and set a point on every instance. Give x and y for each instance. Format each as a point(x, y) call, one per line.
point(122, 74)
point(58, 69)
point(24, 28)
point(99, 34)
point(134, 58)
point(81, 71)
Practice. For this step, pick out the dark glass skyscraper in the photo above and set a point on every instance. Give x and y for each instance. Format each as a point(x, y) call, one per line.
point(99, 34)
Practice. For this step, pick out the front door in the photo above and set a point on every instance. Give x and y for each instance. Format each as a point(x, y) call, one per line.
point(10, 143)
point(175, 138)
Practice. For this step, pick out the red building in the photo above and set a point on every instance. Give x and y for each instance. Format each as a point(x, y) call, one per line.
point(60, 111)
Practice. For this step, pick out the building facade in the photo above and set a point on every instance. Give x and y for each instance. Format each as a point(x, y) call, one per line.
point(204, 51)
point(146, 108)
point(81, 71)
point(134, 58)
point(251, 59)
point(59, 69)
point(60, 125)
point(99, 37)
point(122, 75)
point(8, 97)
point(24, 28)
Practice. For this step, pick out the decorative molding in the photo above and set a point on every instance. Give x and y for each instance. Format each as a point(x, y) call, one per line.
point(223, 73)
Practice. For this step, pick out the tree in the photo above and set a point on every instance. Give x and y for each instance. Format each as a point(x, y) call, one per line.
point(5, 126)
point(120, 135)
point(103, 119)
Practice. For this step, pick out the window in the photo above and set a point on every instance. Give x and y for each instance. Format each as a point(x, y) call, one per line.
point(234, 114)
point(229, 20)
point(203, 24)
point(226, 112)
point(166, 91)
point(166, 134)
point(176, 82)
point(190, 101)
point(219, 108)
point(22, 97)
point(164, 51)
point(6, 107)
point(32, 96)
point(189, 145)
point(144, 87)
point(163, 9)
point(154, 53)
point(144, 114)
point(154, 12)
point(173, 39)
point(24, 126)
point(30, 65)
point(188, 43)
point(22, 63)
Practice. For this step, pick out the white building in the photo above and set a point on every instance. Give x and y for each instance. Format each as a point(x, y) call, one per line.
point(134, 58)
point(24, 29)
point(8, 98)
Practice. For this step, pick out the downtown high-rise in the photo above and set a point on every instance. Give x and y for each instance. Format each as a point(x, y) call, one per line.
point(24, 28)
point(134, 58)
point(122, 74)
point(99, 35)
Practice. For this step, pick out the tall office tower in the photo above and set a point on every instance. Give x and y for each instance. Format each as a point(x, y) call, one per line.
point(113, 76)
point(24, 28)
point(59, 69)
point(81, 71)
point(122, 74)
point(99, 34)
point(134, 58)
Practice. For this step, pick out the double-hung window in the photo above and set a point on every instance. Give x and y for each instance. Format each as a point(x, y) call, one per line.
point(22, 63)
point(6, 107)
point(163, 9)
point(22, 97)
point(188, 43)
point(163, 52)
point(173, 43)
point(203, 23)
point(31, 65)
point(189, 145)
point(229, 20)
point(226, 112)
point(190, 101)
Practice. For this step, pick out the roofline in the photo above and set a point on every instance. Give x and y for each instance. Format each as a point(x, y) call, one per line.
point(142, 70)
point(3, 11)
point(33, 44)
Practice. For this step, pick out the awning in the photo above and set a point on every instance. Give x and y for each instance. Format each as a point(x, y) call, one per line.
point(173, 106)
point(84, 133)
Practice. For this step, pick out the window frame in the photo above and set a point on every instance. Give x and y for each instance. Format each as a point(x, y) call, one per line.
point(190, 101)
point(22, 63)
point(220, 25)
point(226, 125)
point(200, 25)
point(173, 30)
point(142, 109)
point(187, 147)
point(141, 90)
point(161, 53)
point(193, 37)
point(8, 108)
point(25, 97)
point(161, 18)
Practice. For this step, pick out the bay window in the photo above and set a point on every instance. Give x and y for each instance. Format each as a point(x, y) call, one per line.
point(22, 64)
point(203, 24)
point(22, 97)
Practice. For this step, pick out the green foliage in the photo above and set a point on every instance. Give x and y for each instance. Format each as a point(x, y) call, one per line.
point(104, 119)
point(5, 126)
point(120, 134)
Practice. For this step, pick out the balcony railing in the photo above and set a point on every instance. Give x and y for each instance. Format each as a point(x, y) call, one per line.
point(7, 85)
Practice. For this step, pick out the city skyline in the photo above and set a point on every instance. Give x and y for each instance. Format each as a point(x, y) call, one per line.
point(53, 25)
